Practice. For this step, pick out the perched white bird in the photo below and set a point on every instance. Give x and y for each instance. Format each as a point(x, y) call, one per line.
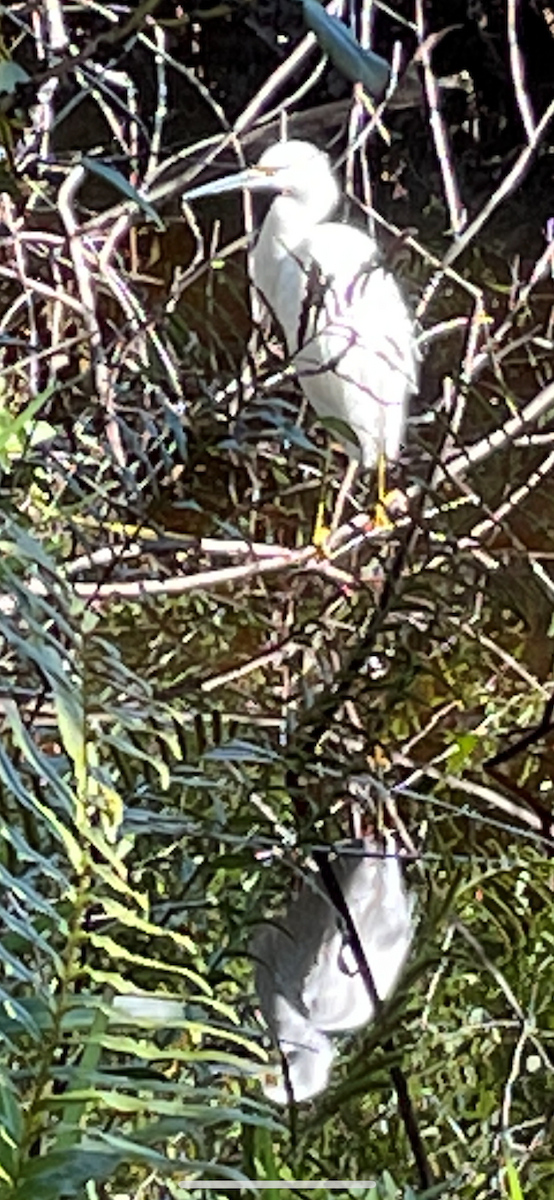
point(348, 330)
point(307, 976)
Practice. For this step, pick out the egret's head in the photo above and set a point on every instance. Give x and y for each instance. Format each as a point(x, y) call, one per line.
point(295, 169)
point(301, 171)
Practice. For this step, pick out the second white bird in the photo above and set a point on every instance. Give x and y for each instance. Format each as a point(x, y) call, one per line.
point(307, 976)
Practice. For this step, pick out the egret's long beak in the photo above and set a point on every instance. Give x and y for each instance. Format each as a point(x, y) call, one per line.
point(253, 179)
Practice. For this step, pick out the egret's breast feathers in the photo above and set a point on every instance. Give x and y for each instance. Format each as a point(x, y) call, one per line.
point(347, 329)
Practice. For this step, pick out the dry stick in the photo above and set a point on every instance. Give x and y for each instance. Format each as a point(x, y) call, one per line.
point(497, 975)
point(315, 724)
point(43, 289)
point(489, 445)
point(473, 814)
point(179, 585)
point(516, 667)
point(334, 890)
point(118, 33)
point(455, 208)
point(539, 731)
point(477, 791)
point(216, 145)
point(56, 43)
point(177, 173)
point(492, 442)
point(522, 493)
point(508, 185)
point(263, 560)
point(459, 398)
point(518, 72)
point(273, 658)
point(28, 294)
point(162, 55)
point(505, 189)
point(216, 578)
point(84, 281)
point(478, 321)
point(276, 81)
point(358, 113)
point(162, 108)
point(142, 325)
point(544, 814)
point(542, 267)
point(526, 1019)
point(53, 352)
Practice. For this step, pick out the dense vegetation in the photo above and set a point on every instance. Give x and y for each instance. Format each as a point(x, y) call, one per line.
point(190, 686)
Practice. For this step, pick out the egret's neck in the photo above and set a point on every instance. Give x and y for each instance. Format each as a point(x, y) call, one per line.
point(285, 225)
point(292, 217)
point(280, 257)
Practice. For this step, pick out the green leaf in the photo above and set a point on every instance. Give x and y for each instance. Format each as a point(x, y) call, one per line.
point(345, 52)
point(11, 74)
point(512, 1179)
point(240, 751)
point(11, 1119)
point(121, 184)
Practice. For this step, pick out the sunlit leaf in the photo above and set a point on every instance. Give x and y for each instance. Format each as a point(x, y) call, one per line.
point(336, 40)
point(121, 184)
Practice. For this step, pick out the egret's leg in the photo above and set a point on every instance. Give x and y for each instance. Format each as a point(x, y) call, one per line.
point(390, 504)
point(381, 520)
point(321, 528)
point(381, 477)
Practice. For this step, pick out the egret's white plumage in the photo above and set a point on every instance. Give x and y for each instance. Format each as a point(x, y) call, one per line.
point(307, 977)
point(348, 330)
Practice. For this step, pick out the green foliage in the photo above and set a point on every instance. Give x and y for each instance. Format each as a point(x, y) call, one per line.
point(189, 686)
point(78, 929)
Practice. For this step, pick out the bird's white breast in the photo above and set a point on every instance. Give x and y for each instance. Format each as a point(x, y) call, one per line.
point(347, 327)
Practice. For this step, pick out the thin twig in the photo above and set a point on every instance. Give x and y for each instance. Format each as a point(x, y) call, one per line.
point(457, 212)
point(518, 72)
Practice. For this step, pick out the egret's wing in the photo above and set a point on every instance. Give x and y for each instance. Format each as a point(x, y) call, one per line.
point(308, 1055)
point(307, 975)
point(348, 331)
point(335, 995)
point(286, 950)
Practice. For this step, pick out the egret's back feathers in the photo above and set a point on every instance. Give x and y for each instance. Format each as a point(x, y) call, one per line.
point(307, 977)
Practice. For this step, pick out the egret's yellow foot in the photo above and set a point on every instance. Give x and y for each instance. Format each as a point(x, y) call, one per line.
point(321, 531)
point(378, 759)
point(381, 519)
point(389, 504)
point(381, 477)
point(388, 508)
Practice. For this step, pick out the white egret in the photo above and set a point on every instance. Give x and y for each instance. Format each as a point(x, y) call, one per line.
point(348, 330)
point(307, 977)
